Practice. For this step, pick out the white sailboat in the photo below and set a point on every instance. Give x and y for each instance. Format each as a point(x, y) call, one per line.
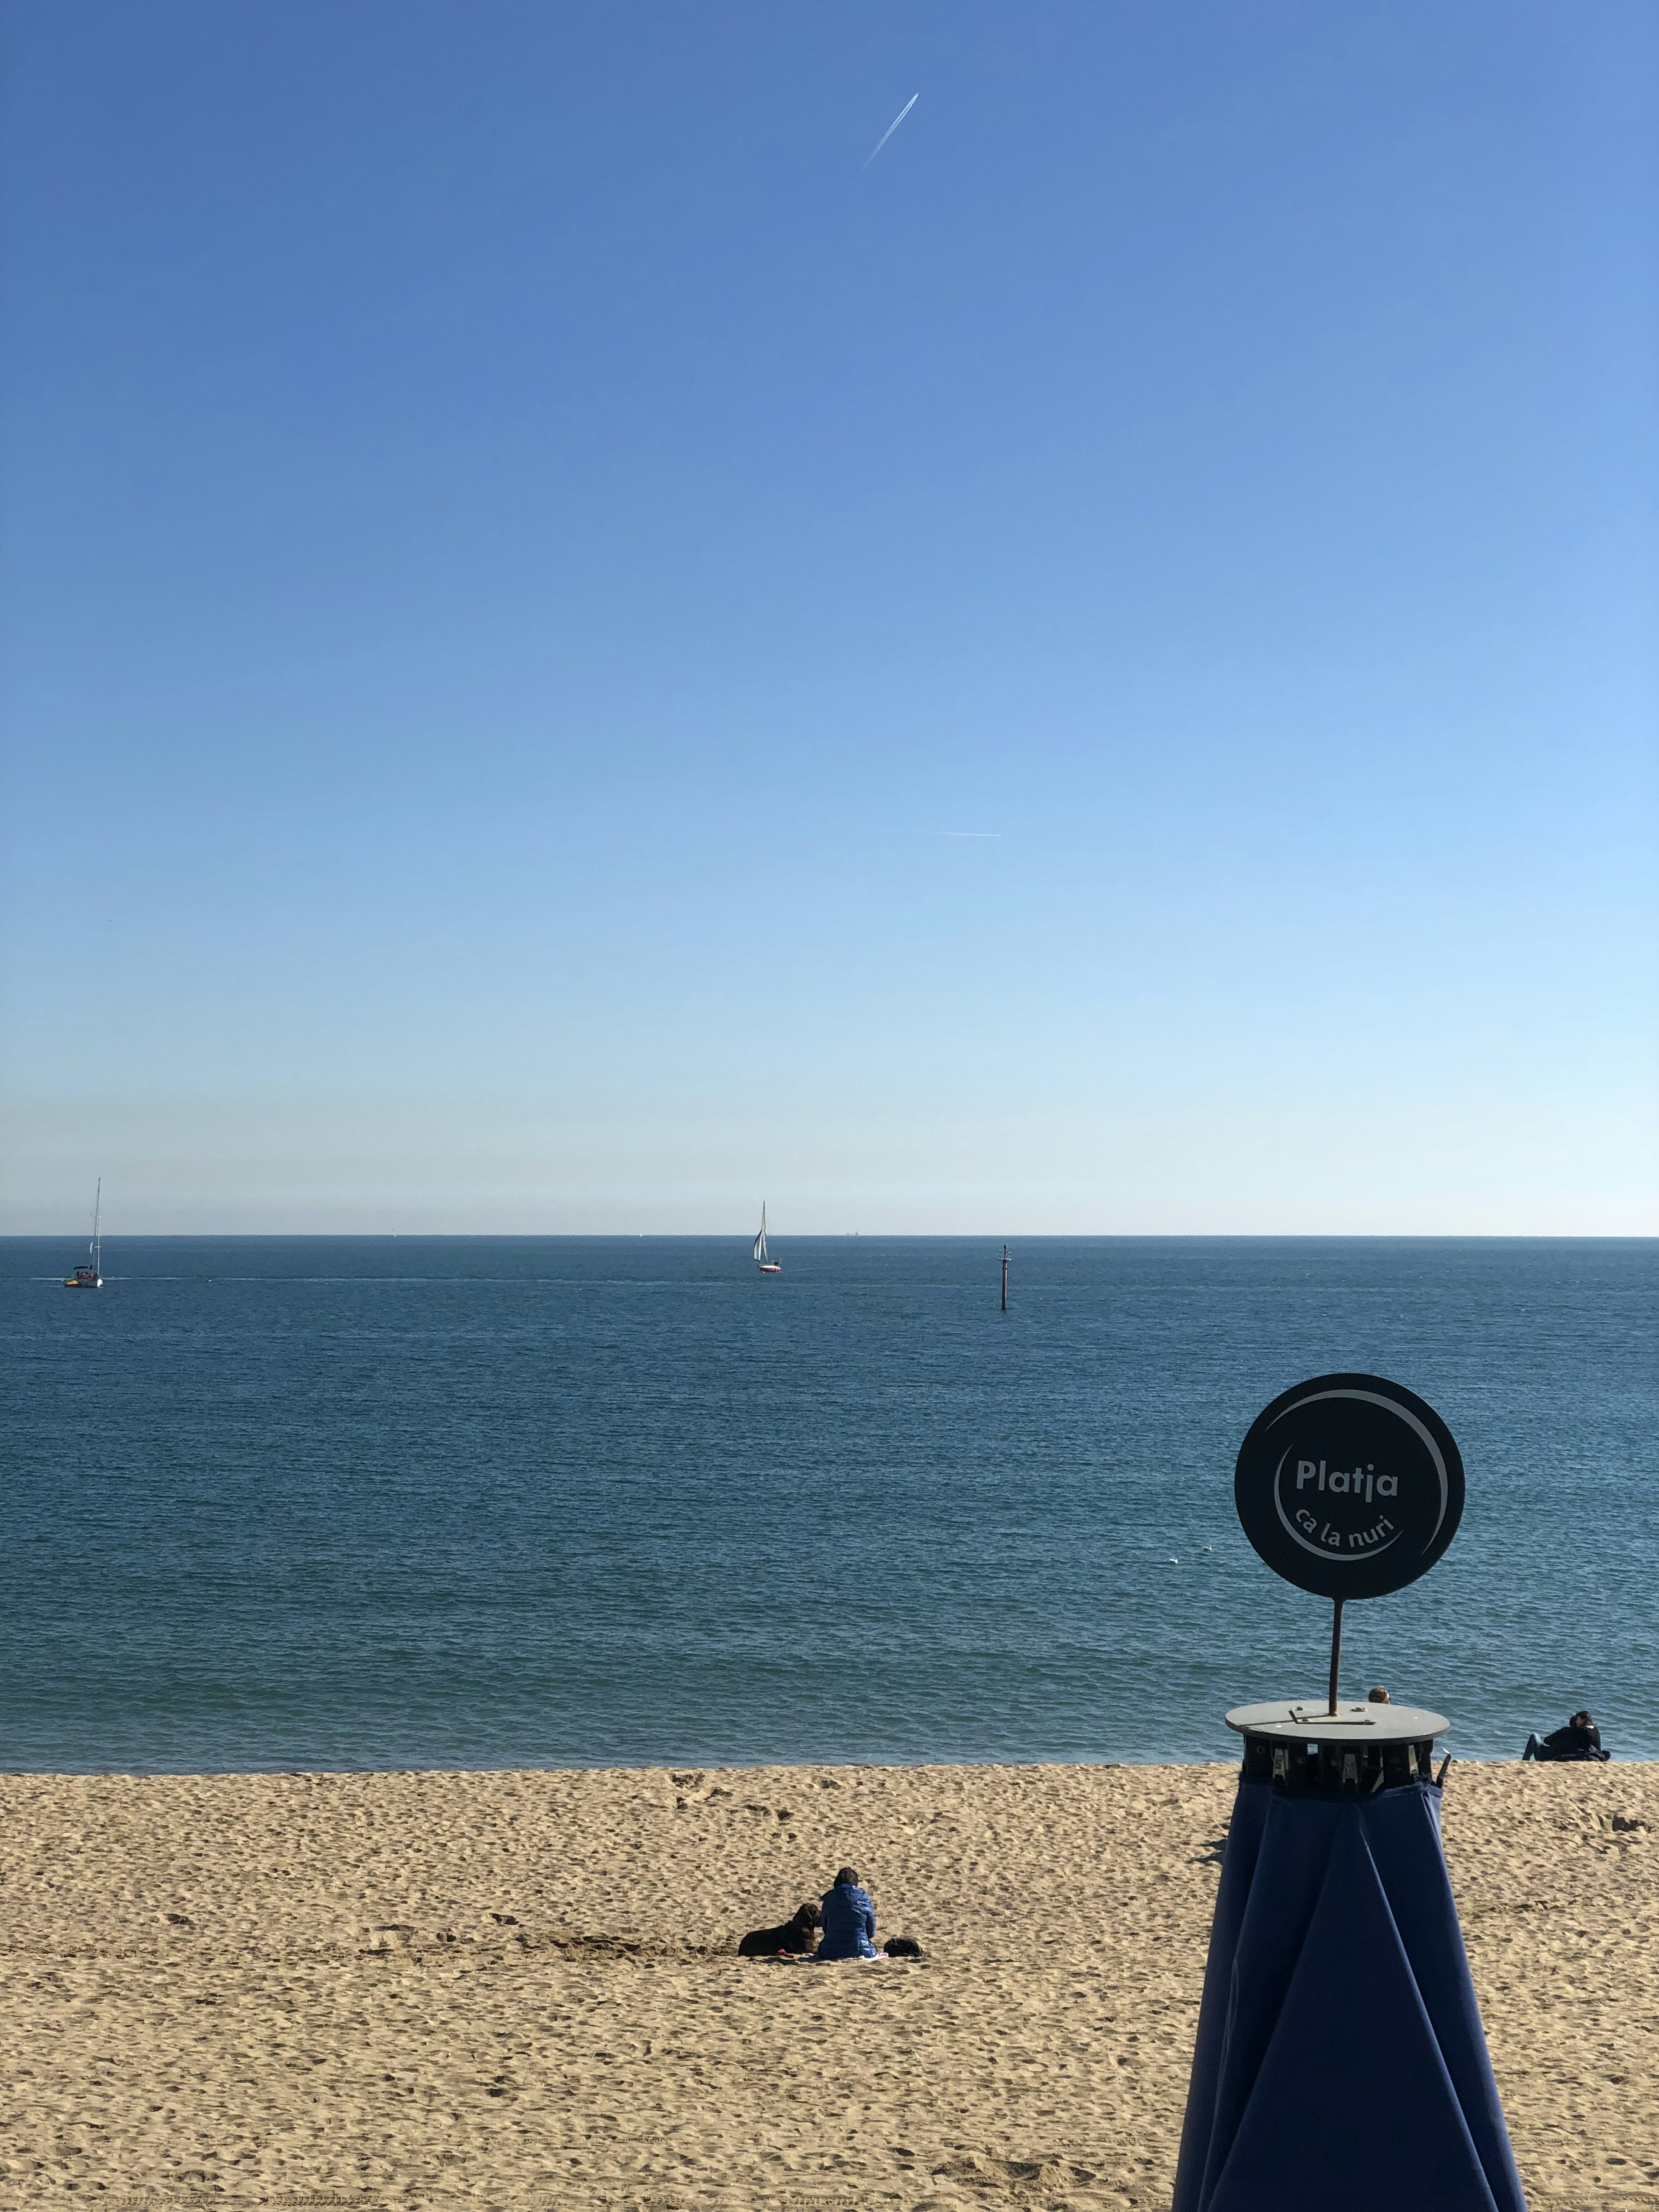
point(89, 1275)
point(764, 1260)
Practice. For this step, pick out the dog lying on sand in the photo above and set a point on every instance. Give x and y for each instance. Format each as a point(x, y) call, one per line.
point(795, 1937)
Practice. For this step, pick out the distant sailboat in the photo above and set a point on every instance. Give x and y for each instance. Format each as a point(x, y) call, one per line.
point(89, 1276)
point(767, 1264)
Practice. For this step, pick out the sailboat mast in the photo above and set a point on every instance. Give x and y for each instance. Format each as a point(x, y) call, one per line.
point(97, 1208)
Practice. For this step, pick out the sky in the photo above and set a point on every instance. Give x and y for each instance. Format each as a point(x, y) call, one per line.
point(576, 654)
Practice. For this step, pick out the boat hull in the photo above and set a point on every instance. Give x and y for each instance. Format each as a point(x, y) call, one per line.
point(770, 1266)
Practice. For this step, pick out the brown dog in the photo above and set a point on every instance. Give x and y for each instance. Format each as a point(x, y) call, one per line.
point(795, 1937)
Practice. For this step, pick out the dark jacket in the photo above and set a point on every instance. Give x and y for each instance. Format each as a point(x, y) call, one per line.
point(1570, 1742)
point(849, 1924)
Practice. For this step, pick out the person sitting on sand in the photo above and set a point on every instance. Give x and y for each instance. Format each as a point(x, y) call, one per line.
point(1581, 1739)
point(849, 1920)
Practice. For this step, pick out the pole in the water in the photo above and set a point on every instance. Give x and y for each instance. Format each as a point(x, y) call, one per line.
point(1004, 1278)
point(1336, 1647)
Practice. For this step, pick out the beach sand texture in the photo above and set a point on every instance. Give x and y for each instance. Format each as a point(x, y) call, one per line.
point(517, 1990)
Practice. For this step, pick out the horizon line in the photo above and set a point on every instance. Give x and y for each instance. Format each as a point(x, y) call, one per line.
point(743, 1235)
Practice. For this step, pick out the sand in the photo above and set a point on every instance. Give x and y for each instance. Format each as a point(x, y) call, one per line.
point(519, 1990)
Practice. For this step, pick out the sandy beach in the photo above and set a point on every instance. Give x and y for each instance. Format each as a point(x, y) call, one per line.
point(518, 1990)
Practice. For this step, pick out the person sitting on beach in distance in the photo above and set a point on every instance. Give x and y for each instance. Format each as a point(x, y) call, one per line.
point(849, 1920)
point(793, 1940)
point(1581, 1739)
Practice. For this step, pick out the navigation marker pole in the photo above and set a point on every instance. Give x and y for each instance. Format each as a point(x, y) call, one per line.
point(1004, 1278)
point(1336, 1647)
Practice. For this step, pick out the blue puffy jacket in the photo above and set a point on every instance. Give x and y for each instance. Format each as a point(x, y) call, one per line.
point(849, 1924)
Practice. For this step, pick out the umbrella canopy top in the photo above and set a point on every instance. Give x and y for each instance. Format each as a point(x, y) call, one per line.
point(1305, 1720)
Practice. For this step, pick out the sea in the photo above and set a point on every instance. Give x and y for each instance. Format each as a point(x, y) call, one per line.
point(301, 1503)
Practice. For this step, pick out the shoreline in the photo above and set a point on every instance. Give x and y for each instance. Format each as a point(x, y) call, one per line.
point(1460, 1762)
point(517, 1987)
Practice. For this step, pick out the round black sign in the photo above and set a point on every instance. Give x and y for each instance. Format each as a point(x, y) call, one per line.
point(1349, 1486)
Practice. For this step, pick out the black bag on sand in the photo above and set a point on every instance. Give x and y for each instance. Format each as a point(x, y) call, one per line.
point(903, 1947)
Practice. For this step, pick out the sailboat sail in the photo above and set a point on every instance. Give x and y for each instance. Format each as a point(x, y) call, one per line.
point(763, 1258)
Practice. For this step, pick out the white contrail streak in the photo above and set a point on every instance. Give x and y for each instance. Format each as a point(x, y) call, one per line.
point(893, 125)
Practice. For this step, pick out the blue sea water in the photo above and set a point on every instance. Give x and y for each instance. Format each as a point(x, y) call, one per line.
point(349, 1502)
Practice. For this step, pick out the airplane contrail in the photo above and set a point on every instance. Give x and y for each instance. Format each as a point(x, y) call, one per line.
point(893, 125)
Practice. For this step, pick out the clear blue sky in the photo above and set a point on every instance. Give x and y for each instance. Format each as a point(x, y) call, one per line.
point(523, 558)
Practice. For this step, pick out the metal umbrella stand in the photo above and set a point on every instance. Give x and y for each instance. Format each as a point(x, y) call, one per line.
point(1341, 2060)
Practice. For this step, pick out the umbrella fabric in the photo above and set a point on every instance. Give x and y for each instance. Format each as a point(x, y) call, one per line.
point(1340, 2058)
